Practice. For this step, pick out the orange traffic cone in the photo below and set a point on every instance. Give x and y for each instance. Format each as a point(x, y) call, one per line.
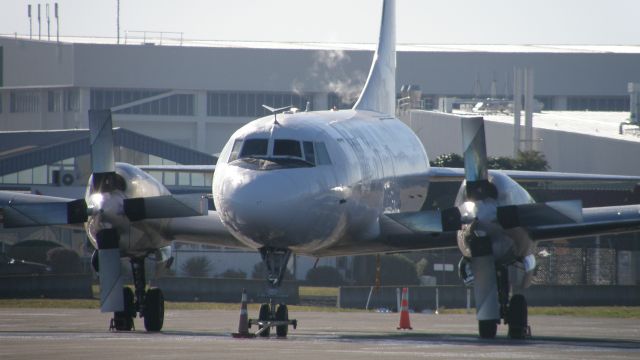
point(405, 323)
point(243, 325)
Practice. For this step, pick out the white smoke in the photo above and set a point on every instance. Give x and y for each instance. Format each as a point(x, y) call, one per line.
point(328, 71)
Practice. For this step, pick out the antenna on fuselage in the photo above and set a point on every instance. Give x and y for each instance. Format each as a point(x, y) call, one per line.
point(275, 111)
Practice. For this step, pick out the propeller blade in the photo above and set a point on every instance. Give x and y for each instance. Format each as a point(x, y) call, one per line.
point(102, 158)
point(166, 206)
point(475, 160)
point(549, 213)
point(100, 128)
point(45, 213)
point(429, 221)
point(111, 282)
point(475, 150)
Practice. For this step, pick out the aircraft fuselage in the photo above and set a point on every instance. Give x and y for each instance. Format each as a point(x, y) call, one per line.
point(308, 180)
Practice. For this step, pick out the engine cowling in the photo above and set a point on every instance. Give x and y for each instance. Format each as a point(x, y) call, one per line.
point(508, 245)
point(106, 210)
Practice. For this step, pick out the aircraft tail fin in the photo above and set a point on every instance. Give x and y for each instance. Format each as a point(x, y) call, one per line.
point(379, 93)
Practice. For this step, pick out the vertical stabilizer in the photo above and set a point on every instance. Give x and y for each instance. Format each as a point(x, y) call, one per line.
point(379, 93)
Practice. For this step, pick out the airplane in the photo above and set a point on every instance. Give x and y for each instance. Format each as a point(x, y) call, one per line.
point(325, 183)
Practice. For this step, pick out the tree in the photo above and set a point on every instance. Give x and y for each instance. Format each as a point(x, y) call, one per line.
point(31, 250)
point(395, 269)
point(448, 160)
point(198, 266)
point(531, 160)
point(324, 276)
point(260, 272)
point(501, 162)
point(234, 274)
point(64, 261)
point(421, 267)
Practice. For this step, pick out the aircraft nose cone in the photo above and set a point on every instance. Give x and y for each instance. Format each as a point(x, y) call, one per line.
point(262, 206)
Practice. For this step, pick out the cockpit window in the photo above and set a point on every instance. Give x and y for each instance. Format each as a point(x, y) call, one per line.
point(287, 148)
point(235, 150)
point(254, 147)
point(258, 154)
point(321, 154)
point(308, 152)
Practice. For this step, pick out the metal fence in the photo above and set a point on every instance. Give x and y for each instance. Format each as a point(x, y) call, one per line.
point(578, 266)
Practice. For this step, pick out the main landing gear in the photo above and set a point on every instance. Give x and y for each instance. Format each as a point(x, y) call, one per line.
point(272, 314)
point(491, 290)
point(513, 311)
point(146, 303)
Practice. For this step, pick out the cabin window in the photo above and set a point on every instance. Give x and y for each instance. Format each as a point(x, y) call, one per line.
point(255, 147)
point(287, 148)
point(235, 150)
point(308, 152)
point(322, 156)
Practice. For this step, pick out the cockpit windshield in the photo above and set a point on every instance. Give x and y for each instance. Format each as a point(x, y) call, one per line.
point(287, 148)
point(255, 147)
point(283, 153)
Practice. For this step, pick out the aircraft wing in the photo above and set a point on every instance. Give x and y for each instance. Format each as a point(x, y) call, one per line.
point(207, 230)
point(439, 174)
point(540, 224)
point(21, 209)
point(561, 220)
point(192, 168)
point(400, 232)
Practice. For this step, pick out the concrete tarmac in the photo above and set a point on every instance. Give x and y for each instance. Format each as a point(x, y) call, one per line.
point(195, 334)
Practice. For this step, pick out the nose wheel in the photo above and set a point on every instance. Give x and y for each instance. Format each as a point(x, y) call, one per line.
point(272, 315)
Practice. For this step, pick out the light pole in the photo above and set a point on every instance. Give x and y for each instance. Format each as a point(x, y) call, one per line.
point(30, 21)
point(118, 20)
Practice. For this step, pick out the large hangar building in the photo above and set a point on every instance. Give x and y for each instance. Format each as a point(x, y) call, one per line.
point(197, 94)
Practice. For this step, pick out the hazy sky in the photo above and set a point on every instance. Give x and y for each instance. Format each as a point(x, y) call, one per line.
point(419, 21)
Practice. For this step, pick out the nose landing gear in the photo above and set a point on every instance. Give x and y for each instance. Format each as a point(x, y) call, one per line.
point(272, 315)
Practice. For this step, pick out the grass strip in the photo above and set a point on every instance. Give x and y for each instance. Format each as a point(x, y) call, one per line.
point(619, 312)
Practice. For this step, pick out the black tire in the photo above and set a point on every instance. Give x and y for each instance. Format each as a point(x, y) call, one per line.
point(264, 315)
point(282, 314)
point(488, 329)
point(153, 310)
point(123, 320)
point(517, 317)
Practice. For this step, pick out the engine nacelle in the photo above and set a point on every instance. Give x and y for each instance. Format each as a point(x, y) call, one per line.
point(508, 245)
point(106, 210)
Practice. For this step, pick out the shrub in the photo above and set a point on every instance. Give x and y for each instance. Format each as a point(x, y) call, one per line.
point(260, 272)
point(324, 276)
point(31, 250)
point(234, 274)
point(64, 261)
point(394, 270)
point(198, 266)
point(421, 267)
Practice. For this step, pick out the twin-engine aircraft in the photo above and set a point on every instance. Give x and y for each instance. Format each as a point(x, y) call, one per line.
point(324, 183)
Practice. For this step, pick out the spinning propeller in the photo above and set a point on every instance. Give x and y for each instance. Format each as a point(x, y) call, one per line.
point(108, 210)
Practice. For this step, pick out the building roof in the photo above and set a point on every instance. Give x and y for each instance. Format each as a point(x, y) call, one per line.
point(474, 48)
point(451, 70)
point(21, 150)
point(595, 123)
